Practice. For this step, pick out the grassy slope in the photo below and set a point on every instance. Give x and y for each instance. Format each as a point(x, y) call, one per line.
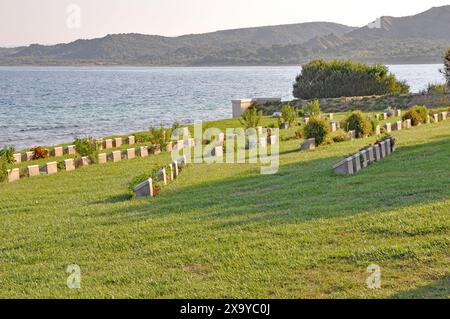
point(227, 231)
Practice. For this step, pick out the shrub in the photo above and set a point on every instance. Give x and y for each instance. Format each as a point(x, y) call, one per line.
point(300, 133)
point(417, 114)
point(3, 169)
point(337, 78)
point(289, 114)
point(423, 111)
point(160, 136)
point(142, 137)
point(357, 121)
point(317, 129)
point(251, 117)
point(311, 108)
point(7, 152)
point(87, 146)
point(374, 122)
point(340, 138)
point(39, 152)
point(446, 69)
point(437, 89)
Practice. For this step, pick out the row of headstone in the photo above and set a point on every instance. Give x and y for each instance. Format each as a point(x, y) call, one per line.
point(117, 156)
point(70, 149)
point(55, 152)
point(71, 164)
point(262, 142)
point(51, 168)
point(367, 156)
point(166, 174)
point(117, 142)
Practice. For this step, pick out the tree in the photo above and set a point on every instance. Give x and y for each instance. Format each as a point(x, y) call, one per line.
point(338, 78)
point(289, 114)
point(446, 70)
point(251, 117)
point(312, 108)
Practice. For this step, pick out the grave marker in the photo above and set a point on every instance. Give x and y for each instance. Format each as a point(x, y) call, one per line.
point(69, 164)
point(33, 170)
point(116, 156)
point(58, 151)
point(131, 153)
point(144, 189)
point(13, 175)
point(370, 152)
point(102, 158)
point(397, 126)
point(17, 157)
point(143, 151)
point(378, 130)
point(118, 142)
point(108, 143)
point(344, 167)
point(163, 176)
point(309, 144)
point(51, 168)
point(356, 160)
point(71, 150)
point(407, 123)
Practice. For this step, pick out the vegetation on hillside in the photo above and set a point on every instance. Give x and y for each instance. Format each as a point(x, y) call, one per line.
point(224, 231)
point(446, 70)
point(337, 78)
point(417, 114)
point(251, 117)
point(357, 121)
point(317, 128)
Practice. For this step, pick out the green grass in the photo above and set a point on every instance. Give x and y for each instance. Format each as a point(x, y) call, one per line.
point(226, 231)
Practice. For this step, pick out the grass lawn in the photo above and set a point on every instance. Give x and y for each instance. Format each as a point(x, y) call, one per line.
point(225, 231)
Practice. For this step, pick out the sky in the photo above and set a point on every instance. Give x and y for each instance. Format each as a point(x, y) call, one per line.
point(23, 22)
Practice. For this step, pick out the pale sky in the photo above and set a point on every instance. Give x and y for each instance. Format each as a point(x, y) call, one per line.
point(23, 22)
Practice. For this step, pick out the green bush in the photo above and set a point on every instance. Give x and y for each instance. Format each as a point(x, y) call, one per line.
point(160, 136)
point(446, 70)
point(3, 169)
point(142, 137)
point(340, 138)
point(7, 152)
point(87, 146)
point(251, 117)
point(417, 114)
point(289, 114)
point(357, 121)
point(437, 89)
point(300, 133)
point(317, 129)
point(337, 78)
point(311, 108)
point(374, 123)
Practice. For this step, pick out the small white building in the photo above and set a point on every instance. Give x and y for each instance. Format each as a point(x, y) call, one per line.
point(239, 106)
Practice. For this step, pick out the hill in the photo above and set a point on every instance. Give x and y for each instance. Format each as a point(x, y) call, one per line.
point(422, 38)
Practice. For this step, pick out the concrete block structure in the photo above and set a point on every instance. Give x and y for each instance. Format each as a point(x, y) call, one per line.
point(239, 106)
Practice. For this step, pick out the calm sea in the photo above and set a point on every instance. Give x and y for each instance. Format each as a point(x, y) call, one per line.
point(50, 105)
